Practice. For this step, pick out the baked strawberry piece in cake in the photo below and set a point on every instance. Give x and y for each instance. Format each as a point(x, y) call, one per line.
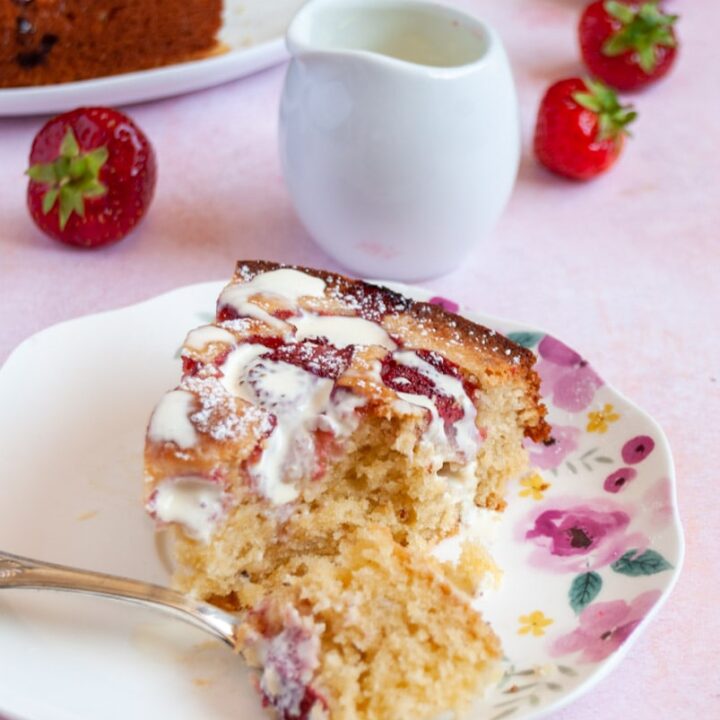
point(321, 421)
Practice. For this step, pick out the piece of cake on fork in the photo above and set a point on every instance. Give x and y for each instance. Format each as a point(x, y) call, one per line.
point(326, 437)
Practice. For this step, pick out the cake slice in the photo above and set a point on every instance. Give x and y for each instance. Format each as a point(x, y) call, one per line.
point(56, 41)
point(314, 409)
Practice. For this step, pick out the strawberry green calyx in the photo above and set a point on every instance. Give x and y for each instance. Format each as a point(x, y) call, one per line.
point(613, 118)
point(71, 178)
point(644, 28)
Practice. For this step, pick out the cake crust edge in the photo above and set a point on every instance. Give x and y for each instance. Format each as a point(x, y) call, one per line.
point(507, 357)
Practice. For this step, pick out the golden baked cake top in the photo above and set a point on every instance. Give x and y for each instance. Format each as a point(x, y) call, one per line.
point(414, 323)
point(296, 356)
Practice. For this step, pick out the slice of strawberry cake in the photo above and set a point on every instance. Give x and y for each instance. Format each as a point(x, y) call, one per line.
point(326, 438)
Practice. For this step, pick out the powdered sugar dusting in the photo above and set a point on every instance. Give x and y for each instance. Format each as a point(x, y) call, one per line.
point(317, 356)
point(239, 325)
point(370, 302)
point(218, 416)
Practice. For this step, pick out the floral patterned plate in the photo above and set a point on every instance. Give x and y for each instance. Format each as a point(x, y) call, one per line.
point(590, 543)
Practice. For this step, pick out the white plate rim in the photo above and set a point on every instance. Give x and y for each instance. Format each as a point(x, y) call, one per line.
point(143, 85)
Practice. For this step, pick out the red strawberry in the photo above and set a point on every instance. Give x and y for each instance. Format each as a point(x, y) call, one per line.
point(581, 128)
point(92, 177)
point(627, 44)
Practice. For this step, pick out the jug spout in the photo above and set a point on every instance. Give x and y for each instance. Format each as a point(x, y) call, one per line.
point(417, 34)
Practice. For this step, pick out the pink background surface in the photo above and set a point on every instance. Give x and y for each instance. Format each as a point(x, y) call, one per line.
point(624, 269)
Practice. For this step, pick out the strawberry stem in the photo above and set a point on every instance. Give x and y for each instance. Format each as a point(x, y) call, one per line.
point(642, 30)
point(71, 177)
point(613, 118)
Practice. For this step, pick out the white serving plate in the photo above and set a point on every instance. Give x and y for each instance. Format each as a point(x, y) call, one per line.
point(252, 29)
point(74, 402)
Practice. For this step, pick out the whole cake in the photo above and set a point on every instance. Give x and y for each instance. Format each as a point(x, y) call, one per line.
point(56, 41)
point(322, 463)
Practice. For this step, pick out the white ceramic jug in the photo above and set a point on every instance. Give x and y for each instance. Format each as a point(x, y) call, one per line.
point(399, 133)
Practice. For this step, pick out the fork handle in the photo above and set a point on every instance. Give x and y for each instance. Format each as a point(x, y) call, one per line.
point(22, 572)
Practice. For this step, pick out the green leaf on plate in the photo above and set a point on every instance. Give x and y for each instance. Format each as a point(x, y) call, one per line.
point(526, 339)
point(565, 670)
point(505, 713)
point(648, 563)
point(584, 590)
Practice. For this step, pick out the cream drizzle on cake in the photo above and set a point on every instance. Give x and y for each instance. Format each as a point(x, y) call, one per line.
point(341, 330)
point(170, 422)
point(466, 437)
point(301, 404)
point(340, 417)
point(286, 284)
point(194, 502)
point(297, 399)
point(235, 366)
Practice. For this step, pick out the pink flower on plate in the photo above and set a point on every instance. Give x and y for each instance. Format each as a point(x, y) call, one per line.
point(566, 378)
point(444, 303)
point(604, 627)
point(550, 454)
point(578, 536)
point(637, 449)
point(619, 480)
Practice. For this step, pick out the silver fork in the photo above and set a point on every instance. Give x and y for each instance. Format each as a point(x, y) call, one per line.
point(22, 572)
